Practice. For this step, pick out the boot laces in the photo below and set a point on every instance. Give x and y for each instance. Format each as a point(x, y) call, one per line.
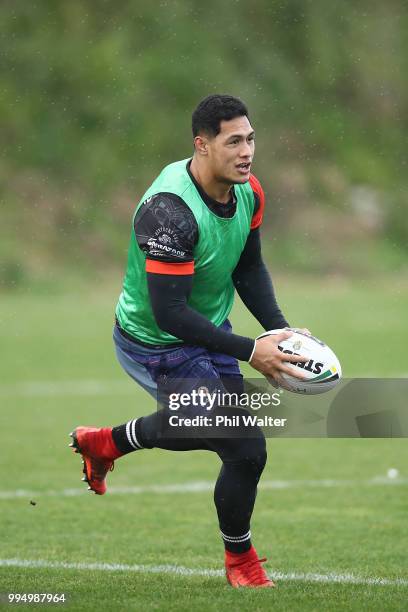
point(255, 572)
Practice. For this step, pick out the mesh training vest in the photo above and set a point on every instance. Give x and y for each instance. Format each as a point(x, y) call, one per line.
point(216, 254)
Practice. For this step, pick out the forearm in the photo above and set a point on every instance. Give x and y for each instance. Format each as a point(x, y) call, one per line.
point(168, 296)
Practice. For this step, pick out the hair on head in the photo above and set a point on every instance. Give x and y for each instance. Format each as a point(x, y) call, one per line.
point(212, 110)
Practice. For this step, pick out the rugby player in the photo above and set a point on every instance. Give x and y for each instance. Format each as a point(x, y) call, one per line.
point(195, 239)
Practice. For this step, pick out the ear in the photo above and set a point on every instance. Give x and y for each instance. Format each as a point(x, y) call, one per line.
point(201, 145)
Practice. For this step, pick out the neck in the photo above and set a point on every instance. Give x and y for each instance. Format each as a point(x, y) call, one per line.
point(221, 192)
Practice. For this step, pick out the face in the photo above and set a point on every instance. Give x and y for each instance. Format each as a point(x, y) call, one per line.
point(230, 153)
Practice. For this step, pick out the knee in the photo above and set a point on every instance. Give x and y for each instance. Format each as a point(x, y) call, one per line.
point(255, 454)
point(251, 454)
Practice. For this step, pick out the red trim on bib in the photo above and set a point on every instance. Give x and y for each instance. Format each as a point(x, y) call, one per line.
point(163, 267)
point(256, 188)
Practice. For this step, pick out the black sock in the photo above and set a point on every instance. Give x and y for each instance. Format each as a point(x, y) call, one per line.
point(236, 546)
point(127, 437)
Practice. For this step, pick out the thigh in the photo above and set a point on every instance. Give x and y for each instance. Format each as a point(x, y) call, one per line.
point(162, 372)
point(192, 372)
point(227, 368)
point(185, 379)
point(134, 367)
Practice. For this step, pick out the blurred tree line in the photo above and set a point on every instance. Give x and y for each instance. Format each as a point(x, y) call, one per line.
point(95, 98)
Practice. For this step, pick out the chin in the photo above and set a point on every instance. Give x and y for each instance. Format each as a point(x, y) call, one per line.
point(241, 180)
point(235, 179)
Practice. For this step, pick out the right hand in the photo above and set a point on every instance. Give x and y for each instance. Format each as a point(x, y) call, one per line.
point(270, 361)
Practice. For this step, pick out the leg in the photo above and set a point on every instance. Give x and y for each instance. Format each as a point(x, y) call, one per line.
point(236, 487)
point(243, 460)
point(243, 457)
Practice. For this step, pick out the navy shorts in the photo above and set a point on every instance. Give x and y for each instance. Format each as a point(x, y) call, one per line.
point(179, 369)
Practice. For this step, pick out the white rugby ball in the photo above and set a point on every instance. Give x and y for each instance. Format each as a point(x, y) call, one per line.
point(323, 370)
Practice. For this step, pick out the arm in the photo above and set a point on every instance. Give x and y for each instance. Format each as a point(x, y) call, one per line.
point(168, 295)
point(254, 285)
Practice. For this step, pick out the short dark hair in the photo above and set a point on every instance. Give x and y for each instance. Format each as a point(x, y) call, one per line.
point(214, 109)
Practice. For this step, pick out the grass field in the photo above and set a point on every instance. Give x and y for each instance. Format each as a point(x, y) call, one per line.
point(325, 541)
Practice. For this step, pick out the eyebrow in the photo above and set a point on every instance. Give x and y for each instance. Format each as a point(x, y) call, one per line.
point(240, 135)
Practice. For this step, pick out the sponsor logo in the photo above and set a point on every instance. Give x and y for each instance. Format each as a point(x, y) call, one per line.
point(310, 366)
point(164, 242)
point(163, 248)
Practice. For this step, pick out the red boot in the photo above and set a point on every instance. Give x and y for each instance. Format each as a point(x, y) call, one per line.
point(245, 570)
point(98, 452)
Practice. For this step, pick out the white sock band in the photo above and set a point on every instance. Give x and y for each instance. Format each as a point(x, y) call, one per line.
point(131, 434)
point(236, 539)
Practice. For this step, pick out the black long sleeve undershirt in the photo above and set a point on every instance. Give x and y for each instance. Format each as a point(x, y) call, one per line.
point(254, 285)
point(169, 295)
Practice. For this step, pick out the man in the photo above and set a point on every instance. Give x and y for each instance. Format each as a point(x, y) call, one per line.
point(195, 238)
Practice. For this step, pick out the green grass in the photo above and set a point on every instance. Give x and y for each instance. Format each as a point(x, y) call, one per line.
point(354, 528)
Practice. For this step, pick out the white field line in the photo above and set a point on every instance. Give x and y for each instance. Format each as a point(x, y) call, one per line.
point(204, 486)
point(178, 570)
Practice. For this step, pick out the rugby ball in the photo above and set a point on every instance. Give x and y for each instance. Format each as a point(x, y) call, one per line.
point(322, 371)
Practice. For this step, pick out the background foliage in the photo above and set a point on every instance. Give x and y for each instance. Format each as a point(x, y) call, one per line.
point(96, 97)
